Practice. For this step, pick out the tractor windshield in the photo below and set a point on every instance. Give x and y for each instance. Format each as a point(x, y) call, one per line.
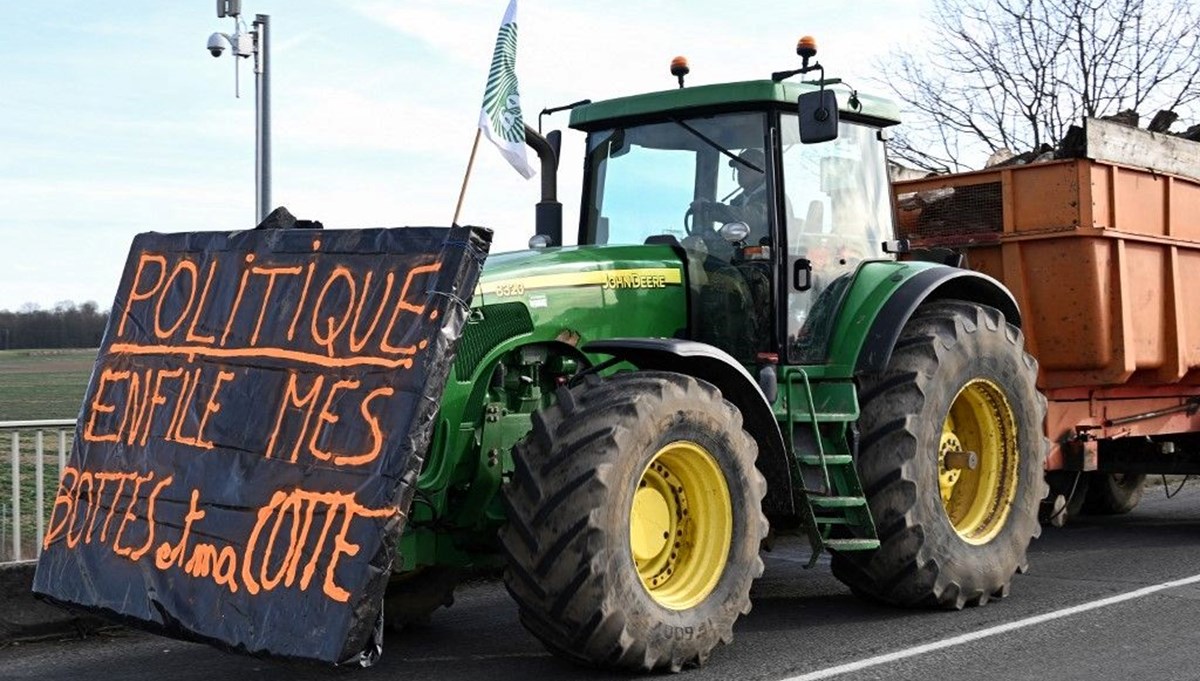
point(645, 178)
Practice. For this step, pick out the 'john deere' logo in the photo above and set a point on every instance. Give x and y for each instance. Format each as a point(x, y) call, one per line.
point(500, 99)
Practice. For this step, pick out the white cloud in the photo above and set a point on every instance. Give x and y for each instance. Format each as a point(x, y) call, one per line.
point(453, 27)
point(353, 120)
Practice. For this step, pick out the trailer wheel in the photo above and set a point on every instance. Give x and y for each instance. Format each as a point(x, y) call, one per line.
point(412, 597)
point(634, 522)
point(951, 461)
point(1072, 486)
point(1113, 493)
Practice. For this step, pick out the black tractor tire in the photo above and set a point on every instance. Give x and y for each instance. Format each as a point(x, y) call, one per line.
point(948, 349)
point(1113, 493)
point(569, 542)
point(412, 597)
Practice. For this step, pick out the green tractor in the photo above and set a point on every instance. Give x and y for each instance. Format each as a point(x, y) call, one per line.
point(732, 352)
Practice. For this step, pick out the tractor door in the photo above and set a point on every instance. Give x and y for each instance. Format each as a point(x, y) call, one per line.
point(837, 213)
point(683, 182)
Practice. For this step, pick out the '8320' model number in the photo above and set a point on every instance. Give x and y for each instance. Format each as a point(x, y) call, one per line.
point(509, 289)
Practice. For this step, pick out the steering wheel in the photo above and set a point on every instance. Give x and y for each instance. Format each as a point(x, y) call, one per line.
point(704, 212)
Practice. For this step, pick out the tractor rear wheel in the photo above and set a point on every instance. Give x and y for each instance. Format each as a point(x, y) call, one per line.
point(634, 522)
point(1113, 493)
point(951, 460)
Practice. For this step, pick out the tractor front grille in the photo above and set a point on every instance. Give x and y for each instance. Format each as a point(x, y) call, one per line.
point(497, 324)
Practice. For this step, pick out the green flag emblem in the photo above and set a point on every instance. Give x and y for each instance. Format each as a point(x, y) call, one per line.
point(500, 99)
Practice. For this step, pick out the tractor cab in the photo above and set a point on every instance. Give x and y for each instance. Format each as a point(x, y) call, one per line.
point(771, 228)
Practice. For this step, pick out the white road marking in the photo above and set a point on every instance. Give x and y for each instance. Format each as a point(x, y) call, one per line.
point(991, 631)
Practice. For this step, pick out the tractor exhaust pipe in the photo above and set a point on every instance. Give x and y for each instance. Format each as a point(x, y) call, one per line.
point(548, 215)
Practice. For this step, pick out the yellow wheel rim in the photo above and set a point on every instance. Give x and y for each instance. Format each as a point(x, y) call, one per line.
point(681, 525)
point(978, 460)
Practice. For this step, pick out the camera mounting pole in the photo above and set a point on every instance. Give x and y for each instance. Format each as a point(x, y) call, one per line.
point(262, 107)
point(256, 43)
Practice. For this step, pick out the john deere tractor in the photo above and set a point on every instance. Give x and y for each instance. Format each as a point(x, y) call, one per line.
point(732, 352)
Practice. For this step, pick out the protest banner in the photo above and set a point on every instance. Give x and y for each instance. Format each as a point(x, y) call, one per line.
point(252, 433)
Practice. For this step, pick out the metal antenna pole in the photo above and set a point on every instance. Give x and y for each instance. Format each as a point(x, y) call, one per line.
point(262, 148)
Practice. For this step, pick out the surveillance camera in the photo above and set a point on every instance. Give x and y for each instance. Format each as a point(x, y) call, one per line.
point(216, 44)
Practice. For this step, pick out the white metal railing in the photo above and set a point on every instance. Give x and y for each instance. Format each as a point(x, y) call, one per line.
point(23, 513)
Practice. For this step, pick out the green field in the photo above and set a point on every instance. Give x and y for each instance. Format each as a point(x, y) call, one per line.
point(36, 384)
point(43, 384)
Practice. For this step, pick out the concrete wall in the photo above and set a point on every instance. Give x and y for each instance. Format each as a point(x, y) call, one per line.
point(23, 617)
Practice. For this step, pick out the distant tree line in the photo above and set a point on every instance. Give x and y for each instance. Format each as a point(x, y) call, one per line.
point(66, 326)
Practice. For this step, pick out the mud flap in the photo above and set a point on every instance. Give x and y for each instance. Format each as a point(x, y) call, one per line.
point(252, 433)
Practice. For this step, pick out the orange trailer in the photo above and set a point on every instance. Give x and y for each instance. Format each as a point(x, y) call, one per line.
point(1103, 257)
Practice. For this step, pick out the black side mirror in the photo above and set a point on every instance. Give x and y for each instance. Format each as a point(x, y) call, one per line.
point(818, 116)
point(554, 137)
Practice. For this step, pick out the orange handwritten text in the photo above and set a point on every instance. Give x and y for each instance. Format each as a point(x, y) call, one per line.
point(286, 531)
point(169, 300)
point(297, 510)
point(83, 495)
point(124, 406)
point(303, 402)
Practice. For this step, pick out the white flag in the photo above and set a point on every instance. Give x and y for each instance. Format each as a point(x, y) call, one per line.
point(500, 117)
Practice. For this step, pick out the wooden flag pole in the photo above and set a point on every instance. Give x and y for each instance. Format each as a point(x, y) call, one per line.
point(466, 176)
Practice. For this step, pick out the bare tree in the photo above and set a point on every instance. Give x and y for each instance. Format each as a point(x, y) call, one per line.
point(1015, 74)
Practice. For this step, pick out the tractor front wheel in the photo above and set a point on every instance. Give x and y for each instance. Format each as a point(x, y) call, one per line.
point(951, 460)
point(634, 522)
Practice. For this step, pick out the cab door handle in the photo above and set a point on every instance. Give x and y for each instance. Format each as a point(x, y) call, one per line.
point(802, 274)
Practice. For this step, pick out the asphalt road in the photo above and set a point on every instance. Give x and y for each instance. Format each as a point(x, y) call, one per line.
point(804, 624)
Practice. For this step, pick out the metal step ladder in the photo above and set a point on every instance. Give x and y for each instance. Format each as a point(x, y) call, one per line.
point(827, 474)
point(838, 506)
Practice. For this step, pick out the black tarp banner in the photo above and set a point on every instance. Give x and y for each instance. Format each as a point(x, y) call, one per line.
point(257, 417)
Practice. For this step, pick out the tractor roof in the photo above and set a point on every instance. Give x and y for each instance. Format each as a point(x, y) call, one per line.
point(727, 96)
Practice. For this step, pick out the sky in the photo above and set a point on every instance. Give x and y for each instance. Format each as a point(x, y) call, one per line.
point(116, 120)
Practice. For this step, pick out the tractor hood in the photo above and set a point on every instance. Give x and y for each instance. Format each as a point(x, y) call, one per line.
point(573, 295)
point(525, 274)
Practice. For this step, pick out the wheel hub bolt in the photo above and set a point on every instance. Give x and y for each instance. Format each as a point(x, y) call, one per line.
point(960, 460)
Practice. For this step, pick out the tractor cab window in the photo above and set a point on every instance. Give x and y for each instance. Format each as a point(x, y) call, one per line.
point(839, 190)
point(686, 181)
point(679, 178)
